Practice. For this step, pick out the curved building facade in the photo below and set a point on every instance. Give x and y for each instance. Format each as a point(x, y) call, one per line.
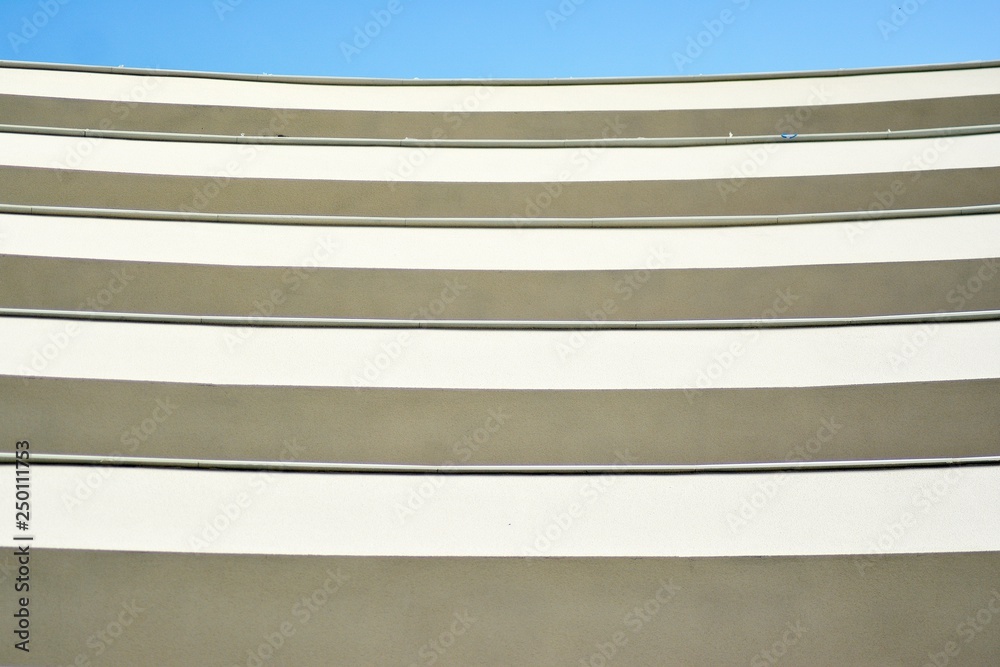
point(677, 371)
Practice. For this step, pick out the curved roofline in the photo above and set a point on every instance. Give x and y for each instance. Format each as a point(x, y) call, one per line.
point(331, 80)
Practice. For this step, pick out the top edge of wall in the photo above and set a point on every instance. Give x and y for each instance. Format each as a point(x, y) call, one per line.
point(358, 81)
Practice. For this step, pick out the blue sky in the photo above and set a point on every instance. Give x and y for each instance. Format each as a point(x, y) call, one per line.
point(512, 38)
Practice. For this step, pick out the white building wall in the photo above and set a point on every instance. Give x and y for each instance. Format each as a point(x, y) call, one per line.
point(601, 370)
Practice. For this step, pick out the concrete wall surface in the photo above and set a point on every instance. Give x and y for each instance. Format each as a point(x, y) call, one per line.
point(675, 371)
point(227, 610)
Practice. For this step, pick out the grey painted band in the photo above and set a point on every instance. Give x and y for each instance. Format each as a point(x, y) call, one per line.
point(8, 458)
point(325, 80)
point(500, 143)
point(572, 325)
point(524, 223)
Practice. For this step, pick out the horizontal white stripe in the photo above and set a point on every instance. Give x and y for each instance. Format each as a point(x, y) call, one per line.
point(899, 240)
point(765, 93)
point(515, 165)
point(501, 359)
point(816, 513)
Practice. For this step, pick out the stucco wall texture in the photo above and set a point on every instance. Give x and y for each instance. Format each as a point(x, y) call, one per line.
point(594, 372)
